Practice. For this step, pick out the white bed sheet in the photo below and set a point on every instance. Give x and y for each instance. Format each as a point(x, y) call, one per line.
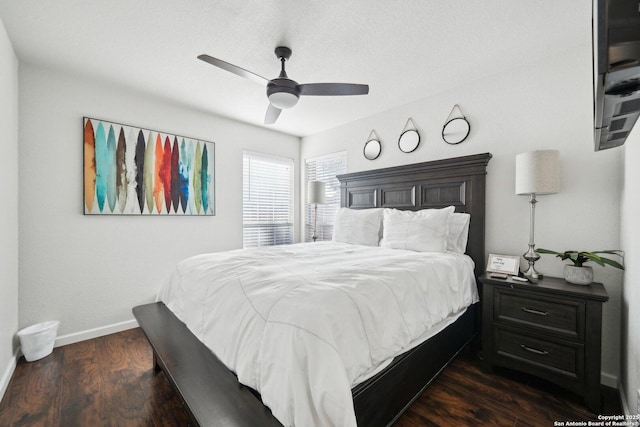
point(304, 323)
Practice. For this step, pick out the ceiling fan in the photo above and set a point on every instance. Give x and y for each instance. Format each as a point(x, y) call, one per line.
point(283, 93)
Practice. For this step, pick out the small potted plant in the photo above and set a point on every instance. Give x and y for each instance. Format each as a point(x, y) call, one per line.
point(579, 274)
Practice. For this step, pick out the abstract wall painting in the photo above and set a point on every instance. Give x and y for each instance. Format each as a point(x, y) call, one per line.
point(133, 171)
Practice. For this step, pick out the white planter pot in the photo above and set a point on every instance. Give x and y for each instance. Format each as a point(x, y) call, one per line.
point(578, 275)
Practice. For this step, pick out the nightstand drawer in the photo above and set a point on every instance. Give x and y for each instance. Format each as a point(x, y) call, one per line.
point(544, 356)
point(560, 316)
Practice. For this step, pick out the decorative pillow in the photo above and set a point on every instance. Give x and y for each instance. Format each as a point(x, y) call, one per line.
point(458, 232)
point(358, 226)
point(423, 231)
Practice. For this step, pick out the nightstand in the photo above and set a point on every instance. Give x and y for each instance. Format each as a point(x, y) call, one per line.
point(551, 329)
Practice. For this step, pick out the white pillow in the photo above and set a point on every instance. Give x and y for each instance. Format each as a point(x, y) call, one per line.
point(458, 232)
point(423, 231)
point(358, 226)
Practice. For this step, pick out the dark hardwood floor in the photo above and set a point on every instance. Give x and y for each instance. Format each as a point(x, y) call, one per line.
point(110, 381)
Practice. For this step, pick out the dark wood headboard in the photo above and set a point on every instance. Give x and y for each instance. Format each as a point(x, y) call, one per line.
point(459, 181)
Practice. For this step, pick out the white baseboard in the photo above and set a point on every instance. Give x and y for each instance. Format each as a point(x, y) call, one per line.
point(95, 333)
point(8, 373)
point(623, 401)
point(609, 380)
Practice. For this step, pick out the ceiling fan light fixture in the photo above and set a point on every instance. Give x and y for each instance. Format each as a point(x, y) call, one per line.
point(283, 100)
point(283, 92)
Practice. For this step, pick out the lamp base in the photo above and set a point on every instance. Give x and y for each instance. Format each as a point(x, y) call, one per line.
point(315, 222)
point(532, 274)
point(532, 256)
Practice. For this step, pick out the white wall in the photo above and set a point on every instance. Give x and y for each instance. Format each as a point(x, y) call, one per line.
point(630, 236)
point(89, 271)
point(538, 106)
point(8, 208)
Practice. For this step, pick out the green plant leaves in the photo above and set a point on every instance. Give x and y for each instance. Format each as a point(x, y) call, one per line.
point(580, 257)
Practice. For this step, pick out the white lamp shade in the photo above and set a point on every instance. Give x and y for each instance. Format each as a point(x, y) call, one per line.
point(538, 172)
point(316, 192)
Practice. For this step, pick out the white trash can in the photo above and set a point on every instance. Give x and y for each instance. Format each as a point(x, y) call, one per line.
point(36, 341)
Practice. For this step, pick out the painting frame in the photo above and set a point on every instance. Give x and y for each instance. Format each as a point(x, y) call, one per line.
point(130, 170)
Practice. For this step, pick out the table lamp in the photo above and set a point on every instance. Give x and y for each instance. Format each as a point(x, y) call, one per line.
point(315, 196)
point(537, 173)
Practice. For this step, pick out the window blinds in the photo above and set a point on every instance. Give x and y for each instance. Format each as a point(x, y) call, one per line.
point(325, 169)
point(267, 202)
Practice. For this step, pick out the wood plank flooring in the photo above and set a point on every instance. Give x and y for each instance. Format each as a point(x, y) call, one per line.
point(110, 381)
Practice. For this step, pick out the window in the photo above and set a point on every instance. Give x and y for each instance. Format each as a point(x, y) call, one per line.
point(324, 169)
point(267, 200)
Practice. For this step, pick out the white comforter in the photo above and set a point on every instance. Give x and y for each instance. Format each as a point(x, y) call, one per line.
point(302, 323)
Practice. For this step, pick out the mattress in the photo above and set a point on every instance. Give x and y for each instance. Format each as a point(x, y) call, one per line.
point(303, 324)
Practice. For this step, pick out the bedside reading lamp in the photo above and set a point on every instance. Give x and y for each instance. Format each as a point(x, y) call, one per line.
point(315, 196)
point(537, 173)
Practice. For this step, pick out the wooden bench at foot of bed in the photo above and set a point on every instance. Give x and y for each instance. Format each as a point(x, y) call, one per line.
point(211, 393)
point(214, 397)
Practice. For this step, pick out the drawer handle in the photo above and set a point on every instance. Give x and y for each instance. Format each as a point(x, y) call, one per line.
point(532, 311)
point(534, 350)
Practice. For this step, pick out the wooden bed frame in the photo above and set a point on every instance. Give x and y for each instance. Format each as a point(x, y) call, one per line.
point(459, 182)
point(211, 392)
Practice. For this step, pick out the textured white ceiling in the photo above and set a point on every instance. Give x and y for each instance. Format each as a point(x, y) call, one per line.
point(405, 50)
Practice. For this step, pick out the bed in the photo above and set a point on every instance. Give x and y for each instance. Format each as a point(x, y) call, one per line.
point(379, 395)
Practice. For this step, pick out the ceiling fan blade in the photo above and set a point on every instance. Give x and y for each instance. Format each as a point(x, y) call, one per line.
point(333, 89)
point(233, 69)
point(272, 115)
